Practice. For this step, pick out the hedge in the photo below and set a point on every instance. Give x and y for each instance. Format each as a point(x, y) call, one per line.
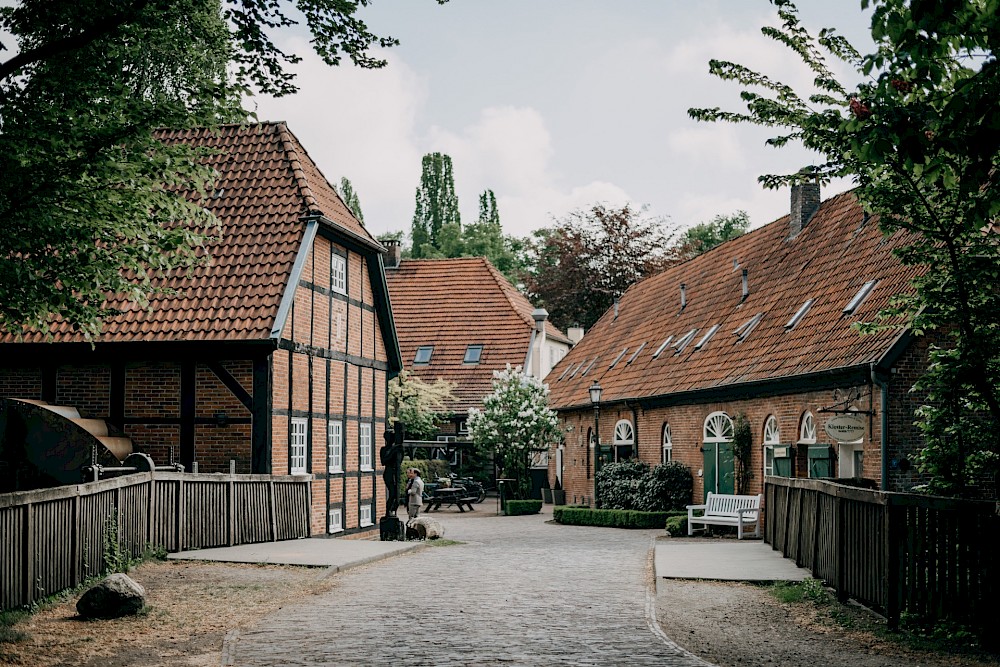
point(677, 526)
point(634, 485)
point(430, 470)
point(584, 516)
point(519, 507)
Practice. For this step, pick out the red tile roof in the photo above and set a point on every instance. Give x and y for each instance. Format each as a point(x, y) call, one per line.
point(266, 184)
point(454, 303)
point(829, 261)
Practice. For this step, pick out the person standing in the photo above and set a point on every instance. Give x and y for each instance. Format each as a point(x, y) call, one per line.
point(414, 492)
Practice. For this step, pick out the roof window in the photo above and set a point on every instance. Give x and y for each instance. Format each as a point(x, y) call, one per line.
point(587, 369)
point(663, 346)
point(683, 341)
point(860, 297)
point(636, 353)
point(565, 371)
point(572, 373)
point(473, 354)
point(618, 358)
point(423, 354)
point(744, 329)
point(799, 314)
point(708, 335)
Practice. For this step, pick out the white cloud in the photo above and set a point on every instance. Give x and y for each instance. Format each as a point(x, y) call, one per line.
point(717, 145)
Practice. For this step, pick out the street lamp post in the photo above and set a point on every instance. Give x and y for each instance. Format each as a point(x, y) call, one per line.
point(595, 400)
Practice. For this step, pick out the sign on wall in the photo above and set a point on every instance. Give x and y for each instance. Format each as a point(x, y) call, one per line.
point(845, 428)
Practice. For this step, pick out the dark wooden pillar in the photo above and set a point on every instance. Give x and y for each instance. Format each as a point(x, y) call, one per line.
point(260, 448)
point(188, 398)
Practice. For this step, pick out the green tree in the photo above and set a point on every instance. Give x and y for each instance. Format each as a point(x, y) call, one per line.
point(350, 197)
point(515, 421)
point(436, 204)
point(92, 204)
point(589, 258)
point(706, 235)
point(420, 405)
point(921, 138)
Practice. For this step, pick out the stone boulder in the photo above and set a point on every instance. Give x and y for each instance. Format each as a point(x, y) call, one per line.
point(117, 595)
point(427, 528)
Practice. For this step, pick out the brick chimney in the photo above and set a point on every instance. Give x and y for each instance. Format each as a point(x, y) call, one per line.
point(393, 253)
point(805, 203)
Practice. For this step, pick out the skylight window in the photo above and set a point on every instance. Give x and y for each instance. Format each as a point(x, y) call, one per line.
point(799, 314)
point(663, 346)
point(636, 353)
point(572, 373)
point(744, 329)
point(423, 355)
point(860, 297)
point(684, 340)
point(473, 354)
point(565, 371)
point(618, 358)
point(708, 335)
point(587, 369)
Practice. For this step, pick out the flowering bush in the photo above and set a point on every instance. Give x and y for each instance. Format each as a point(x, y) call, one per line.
point(514, 421)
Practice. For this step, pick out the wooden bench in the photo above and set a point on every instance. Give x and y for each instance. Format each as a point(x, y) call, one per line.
point(722, 509)
point(448, 496)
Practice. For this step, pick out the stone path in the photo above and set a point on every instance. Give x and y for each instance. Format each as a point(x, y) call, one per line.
point(519, 592)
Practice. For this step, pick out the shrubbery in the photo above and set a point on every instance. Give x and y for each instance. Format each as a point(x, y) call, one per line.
point(519, 507)
point(584, 516)
point(633, 485)
point(677, 526)
point(430, 470)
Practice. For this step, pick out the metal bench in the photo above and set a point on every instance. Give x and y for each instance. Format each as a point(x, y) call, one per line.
point(722, 509)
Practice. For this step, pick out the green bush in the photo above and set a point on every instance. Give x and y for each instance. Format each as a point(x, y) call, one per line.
point(430, 470)
point(584, 516)
point(677, 526)
point(633, 485)
point(519, 507)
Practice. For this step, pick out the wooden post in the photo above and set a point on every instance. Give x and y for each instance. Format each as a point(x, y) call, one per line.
point(29, 553)
point(118, 518)
point(180, 515)
point(231, 513)
point(788, 519)
point(894, 575)
point(840, 549)
point(150, 510)
point(272, 510)
point(77, 543)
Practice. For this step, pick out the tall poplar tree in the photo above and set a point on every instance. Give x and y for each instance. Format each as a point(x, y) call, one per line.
point(436, 204)
point(350, 197)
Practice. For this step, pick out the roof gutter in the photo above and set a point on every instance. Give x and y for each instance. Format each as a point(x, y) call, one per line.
point(288, 298)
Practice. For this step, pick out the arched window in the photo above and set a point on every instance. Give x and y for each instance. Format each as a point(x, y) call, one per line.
point(772, 437)
point(718, 428)
point(807, 429)
point(624, 440)
point(668, 444)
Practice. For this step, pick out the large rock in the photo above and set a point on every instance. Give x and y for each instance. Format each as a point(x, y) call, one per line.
point(427, 528)
point(117, 595)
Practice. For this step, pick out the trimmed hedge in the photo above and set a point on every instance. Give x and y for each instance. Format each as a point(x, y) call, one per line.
point(519, 507)
point(584, 516)
point(634, 485)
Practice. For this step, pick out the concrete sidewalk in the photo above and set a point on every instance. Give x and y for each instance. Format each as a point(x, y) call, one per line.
point(334, 554)
point(723, 560)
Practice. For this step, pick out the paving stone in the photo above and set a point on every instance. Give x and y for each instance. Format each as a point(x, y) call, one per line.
point(518, 592)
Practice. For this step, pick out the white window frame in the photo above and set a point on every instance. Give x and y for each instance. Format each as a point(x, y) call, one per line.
point(365, 446)
point(622, 429)
point(335, 446)
point(718, 428)
point(335, 520)
point(772, 438)
point(365, 515)
point(338, 274)
point(298, 441)
point(807, 429)
point(668, 445)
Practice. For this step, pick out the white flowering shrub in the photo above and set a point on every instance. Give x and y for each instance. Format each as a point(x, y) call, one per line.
point(514, 421)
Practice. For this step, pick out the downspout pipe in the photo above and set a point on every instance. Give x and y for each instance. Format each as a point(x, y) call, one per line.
point(883, 414)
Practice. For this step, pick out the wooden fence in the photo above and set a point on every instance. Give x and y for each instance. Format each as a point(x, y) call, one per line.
point(53, 539)
point(895, 552)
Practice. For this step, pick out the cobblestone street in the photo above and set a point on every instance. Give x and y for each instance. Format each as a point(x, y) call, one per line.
point(518, 592)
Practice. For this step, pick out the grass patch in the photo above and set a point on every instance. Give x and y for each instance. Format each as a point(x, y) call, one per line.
point(9, 634)
point(808, 590)
point(442, 543)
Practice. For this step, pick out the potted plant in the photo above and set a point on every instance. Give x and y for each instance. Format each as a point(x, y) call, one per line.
point(558, 495)
point(547, 494)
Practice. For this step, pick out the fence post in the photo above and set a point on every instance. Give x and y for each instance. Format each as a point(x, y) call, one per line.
point(77, 540)
point(231, 512)
point(894, 575)
point(180, 515)
point(788, 518)
point(840, 539)
point(29, 553)
point(272, 510)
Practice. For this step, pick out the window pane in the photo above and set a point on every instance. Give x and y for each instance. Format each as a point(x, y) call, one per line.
point(472, 354)
point(423, 355)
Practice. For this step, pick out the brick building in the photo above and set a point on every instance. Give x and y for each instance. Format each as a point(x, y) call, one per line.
point(461, 319)
point(274, 355)
point(761, 325)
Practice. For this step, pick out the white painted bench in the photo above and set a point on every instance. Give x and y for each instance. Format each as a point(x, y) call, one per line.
point(722, 509)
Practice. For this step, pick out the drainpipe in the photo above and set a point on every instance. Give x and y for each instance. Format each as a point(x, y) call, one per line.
point(883, 426)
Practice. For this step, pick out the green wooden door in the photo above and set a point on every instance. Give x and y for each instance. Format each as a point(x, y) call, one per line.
point(820, 461)
point(719, 470)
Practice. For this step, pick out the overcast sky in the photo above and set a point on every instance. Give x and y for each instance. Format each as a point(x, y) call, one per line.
point(554, 105)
